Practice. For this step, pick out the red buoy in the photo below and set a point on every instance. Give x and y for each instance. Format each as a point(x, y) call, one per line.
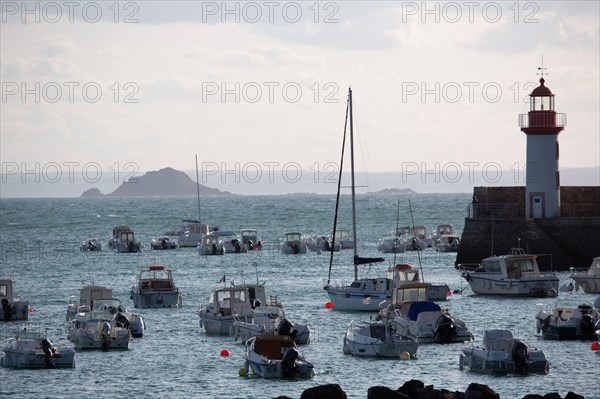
point(224, 353)
point(329, 305)
point(595, 346)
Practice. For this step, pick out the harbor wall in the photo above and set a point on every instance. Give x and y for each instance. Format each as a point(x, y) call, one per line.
point(496, 222)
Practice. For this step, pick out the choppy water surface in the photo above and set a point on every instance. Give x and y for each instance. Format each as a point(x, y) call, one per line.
point(40, 246)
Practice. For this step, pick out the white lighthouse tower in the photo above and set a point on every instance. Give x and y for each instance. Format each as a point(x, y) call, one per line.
point(542, 125)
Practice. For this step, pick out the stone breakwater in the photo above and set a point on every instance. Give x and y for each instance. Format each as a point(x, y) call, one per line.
point(415, 389)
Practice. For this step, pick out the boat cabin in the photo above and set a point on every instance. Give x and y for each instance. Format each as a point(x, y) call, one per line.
point(379, 284)
point(272, 347)
point(111, 305)
point(513, 266)
point(249, 235)
point(240, 300)
point(402, 274)
point(156, 278)
point(293, 237)
point(6, 291)
point(197, 229)
point(403, 296)
point(419, 232)
point(90, 293)
point(444, 229)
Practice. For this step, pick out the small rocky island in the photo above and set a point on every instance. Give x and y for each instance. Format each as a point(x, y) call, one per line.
point(395, 191)
point(164, 182)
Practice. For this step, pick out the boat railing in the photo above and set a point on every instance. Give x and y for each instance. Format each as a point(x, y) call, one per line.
point(496, 211)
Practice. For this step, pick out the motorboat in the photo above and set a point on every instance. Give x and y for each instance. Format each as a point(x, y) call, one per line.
point(33, 350)
point(515, 274)
point(414, 238)
point(162, 243)
point(344, 238)
point(322, 244)
point(231, 241)
point(13, 307)
point(211, 245)
point(182, 229)
point(154, 288)
point(293, 243)
point(567, 319)
point(377, 339)
point(91, 244)
point(393, 245)
point(87, 295)
point(228, 304)
point(443, 230)
point(276, 357)
point(501, 353)
point(250, 239)
point(193, 235)
point(416, 316)
point(429, 323)
point(94, 298)
point(269, 319)
point(362, 293)
point(588, 279)
point(402, 273)
point(447, 243)
point(99, 330)
point(123, 240)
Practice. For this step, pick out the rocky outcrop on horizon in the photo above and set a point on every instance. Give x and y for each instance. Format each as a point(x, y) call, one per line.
point(164, 182)
point(394, 191)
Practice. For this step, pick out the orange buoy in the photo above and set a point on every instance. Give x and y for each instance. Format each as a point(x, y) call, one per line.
point(224, 353)
point(329, 305)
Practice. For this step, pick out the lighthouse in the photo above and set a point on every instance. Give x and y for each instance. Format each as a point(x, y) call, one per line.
point(541, 125)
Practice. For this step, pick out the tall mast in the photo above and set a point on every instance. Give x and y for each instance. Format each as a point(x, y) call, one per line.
point(352, 185)
point(198, 189)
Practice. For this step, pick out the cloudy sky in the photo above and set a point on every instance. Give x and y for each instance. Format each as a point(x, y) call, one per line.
point(144, 85)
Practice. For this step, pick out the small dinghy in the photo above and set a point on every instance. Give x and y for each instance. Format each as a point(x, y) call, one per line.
point(501, 353)
point(276, 356)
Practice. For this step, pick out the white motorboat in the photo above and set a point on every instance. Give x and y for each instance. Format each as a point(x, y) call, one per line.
point(193, 235)
point(99, 299)
point(211, 245)
point(250, 239)
point(231, 241)
point(277, 357)
point(501, 353)
point(393, 245)
point(376, 339)
point(162, 243)
point(362, 293)
point(32, 350)
point(154, 288)
point(99, 330)
point(567, 319)
point(344, 238)
point(322, 244)
point(447, 243)
point(401, 274)
point(515, 274)
point(13, 307)
point(414, 238)
point(228, 304)
point(417, 317)
point(91, 244)
point(588, 279)
point(123, 240)
point(269, 320)
point(293, 243)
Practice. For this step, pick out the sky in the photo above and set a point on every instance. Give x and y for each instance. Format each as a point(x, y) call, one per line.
point(254, 87)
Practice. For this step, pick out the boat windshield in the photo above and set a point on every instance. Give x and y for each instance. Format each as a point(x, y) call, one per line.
point(269, 310)
point(111, 305)
point(27, 334)
point(570, 303)
point(155, 275)
point(98, 316)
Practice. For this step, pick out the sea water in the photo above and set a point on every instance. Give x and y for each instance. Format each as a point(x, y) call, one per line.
point(40, 241)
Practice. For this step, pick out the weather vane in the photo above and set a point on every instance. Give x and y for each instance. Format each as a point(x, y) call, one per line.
point(542, 69)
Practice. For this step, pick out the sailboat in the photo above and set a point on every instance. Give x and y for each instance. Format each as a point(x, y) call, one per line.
point(368, 294)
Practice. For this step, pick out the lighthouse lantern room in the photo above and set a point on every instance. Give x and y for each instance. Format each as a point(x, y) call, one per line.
point(541, 125)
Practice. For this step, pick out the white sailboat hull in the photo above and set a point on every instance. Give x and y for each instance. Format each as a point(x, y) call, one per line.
point(349, 298)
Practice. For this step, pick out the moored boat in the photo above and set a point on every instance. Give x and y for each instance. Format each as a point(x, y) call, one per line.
point(377, 339)
point(515, 274)
point(588, 279)
point(293, 243)
point(211, 245)
point(401, 274)
point(567, 319)
point(501, 353)
point(33, 350)
point(276, 357)
point(13, 307)
point(123, 240)
point(91, 244)
point(99, 330)
point(162, 243)
point(154, 288)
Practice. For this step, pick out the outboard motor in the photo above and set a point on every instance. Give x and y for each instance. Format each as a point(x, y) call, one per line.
point(48, 349)
point(445, 328)
point(296, 249)
point(588, 330)
point(122, 320)
point(105, 335)
point(288, 362)
point(6, 309)
point(520, 356)
point(214, 249)
point(286, 328)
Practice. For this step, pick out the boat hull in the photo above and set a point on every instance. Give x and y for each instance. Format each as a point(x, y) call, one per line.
point(63, 358)
point(590, 285)
point(545, 287)
point(350, 299)
point(499, 362)
point(169, 299)
point(364, 346)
